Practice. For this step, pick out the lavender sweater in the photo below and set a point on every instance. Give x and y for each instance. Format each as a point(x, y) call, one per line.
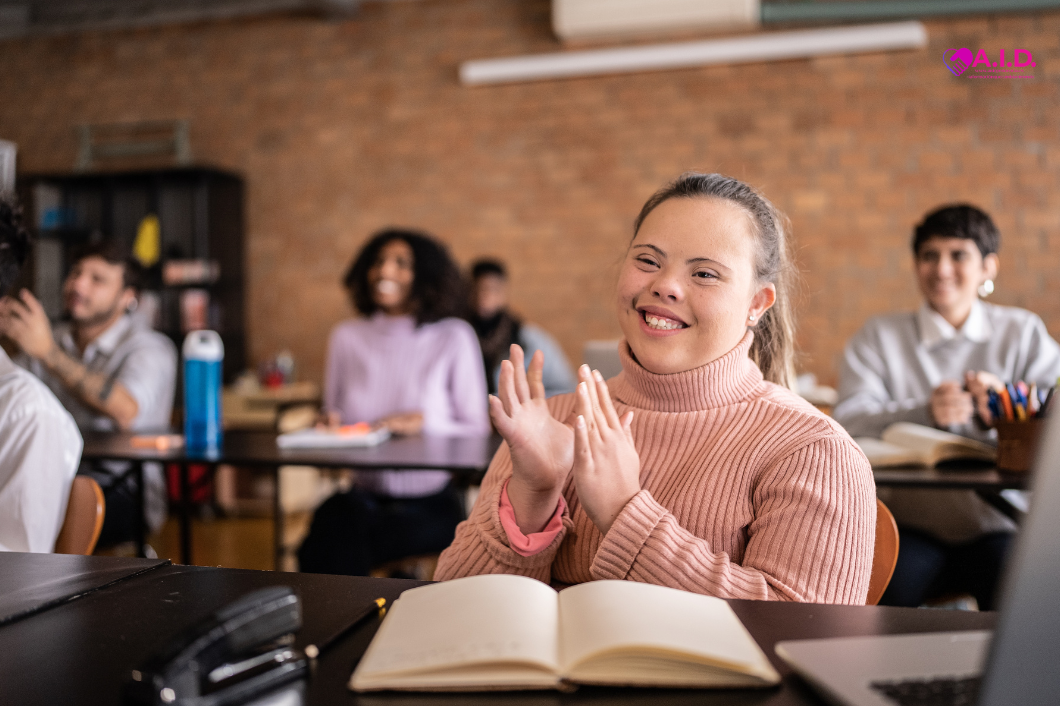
point(386, 365)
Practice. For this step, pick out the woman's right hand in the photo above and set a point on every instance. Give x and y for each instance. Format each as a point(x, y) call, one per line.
point(542, 447)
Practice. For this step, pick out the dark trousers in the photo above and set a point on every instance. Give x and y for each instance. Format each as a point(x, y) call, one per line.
point(928, 569)
point(356, 531)
point(120, 498)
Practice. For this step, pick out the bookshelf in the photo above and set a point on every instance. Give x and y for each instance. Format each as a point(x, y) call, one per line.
point(200, 217)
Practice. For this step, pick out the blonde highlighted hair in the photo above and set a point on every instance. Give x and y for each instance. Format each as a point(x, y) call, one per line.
point(773, 349)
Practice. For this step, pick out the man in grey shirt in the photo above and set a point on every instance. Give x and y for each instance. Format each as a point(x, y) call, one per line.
point(933, 367)
point(108, 370)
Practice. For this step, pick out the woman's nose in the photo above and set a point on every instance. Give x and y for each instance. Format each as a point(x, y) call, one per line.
point(388, 269)
point(667, 287)
point(944, 268)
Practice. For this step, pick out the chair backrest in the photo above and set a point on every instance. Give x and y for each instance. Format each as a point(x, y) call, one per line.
point(885, 555)
point(84, 518)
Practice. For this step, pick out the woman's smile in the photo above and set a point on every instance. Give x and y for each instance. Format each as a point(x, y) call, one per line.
point(660, 321)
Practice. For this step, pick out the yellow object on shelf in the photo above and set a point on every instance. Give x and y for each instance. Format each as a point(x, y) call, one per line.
point(147, 248)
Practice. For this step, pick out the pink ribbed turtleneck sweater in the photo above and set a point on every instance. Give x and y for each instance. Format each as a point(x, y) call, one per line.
point(747, 492)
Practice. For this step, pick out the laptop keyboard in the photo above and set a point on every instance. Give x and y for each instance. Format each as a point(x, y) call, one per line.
point(931, 692)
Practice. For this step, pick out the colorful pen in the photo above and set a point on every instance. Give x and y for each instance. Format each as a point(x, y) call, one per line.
point(1006, 403)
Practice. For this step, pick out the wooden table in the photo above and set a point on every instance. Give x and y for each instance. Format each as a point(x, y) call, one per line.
point(80, 651)
point(466, 458)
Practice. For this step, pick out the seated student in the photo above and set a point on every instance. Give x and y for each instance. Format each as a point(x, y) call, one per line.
point(111, 372)
point(933, 367)
point(410, 365)
point(39, 442)
point(498, 328)
point(696, 467)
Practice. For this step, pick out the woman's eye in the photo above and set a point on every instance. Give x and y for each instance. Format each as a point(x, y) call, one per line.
point(647, 261)
point(705, 275)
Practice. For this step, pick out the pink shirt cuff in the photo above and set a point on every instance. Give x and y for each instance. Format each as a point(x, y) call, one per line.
point(528, 545)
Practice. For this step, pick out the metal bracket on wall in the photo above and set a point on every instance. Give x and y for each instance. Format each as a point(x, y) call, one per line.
point(103, 141)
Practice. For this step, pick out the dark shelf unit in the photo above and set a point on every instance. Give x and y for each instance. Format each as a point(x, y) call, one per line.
point(200, 212)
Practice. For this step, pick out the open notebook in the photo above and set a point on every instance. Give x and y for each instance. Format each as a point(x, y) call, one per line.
point(905, 444)
point(349, 436)
point(499, 632)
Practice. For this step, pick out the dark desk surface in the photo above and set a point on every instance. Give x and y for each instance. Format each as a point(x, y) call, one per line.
point(951, 478)
point(30, 583)
point(460, 455)
point(468, 457)
point(81, 651)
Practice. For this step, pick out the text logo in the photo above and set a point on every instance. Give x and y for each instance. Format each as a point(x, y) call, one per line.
point(1016, 64)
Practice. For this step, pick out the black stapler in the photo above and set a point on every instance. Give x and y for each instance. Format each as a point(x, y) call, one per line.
point(235, 654)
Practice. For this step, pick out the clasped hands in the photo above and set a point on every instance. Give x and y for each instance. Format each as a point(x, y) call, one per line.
point(953, 405)
point(593, 444)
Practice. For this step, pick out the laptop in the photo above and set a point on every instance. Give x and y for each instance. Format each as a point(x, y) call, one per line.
point(1019, 663)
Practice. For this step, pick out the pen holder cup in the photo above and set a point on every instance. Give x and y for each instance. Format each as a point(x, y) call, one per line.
point(1017, 443)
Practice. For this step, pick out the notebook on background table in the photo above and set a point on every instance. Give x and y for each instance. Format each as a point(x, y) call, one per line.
point(1018, 664)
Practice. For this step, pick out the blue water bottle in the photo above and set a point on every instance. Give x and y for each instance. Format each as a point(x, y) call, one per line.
point(203, 354)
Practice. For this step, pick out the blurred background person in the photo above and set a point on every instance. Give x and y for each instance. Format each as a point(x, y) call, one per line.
point(411, 364)
point(108, 369)
point(933, 367)
point(498, 328)
point(39, 443)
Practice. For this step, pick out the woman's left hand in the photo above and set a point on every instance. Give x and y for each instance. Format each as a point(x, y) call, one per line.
point(606, 463)
point(407, 424)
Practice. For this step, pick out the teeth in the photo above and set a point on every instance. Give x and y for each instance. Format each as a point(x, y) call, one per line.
point(661, 324)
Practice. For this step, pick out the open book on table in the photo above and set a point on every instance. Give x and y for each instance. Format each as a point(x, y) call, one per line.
point(498, 632)
point(905, 444)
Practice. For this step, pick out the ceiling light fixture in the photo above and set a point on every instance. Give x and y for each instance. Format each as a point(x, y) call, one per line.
point(770, 46)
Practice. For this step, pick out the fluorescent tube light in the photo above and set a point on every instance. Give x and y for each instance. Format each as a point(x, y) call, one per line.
point(772, 46)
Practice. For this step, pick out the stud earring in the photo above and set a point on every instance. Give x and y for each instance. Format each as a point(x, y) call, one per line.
point(751, 317)
point(986, 288)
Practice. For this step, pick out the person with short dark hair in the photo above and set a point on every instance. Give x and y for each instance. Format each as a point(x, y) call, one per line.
point(40, 445)
point(111, 372)
point(498, 328)
point(934, 367)
point(411, 364)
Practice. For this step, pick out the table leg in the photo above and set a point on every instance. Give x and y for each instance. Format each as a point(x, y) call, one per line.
point(277, 521)
point(185, 516)
point(141, 507)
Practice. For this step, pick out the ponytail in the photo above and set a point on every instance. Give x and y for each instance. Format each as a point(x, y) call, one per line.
point(773, 348)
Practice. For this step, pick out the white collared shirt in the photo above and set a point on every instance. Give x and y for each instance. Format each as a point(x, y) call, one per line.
point(40, 448)
point(145, 363)
point(934, 329)
point(891, 366)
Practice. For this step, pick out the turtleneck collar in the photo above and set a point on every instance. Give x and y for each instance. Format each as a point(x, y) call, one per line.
point(719, 383)
point(390, 325)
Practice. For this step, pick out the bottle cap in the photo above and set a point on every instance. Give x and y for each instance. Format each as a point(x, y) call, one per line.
point(203, 345)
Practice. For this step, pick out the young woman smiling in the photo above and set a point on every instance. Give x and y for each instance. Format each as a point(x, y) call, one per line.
point(696, 467)
point(410, 364)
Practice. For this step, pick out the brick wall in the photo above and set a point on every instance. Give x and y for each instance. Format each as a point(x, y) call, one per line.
point(341, 128)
